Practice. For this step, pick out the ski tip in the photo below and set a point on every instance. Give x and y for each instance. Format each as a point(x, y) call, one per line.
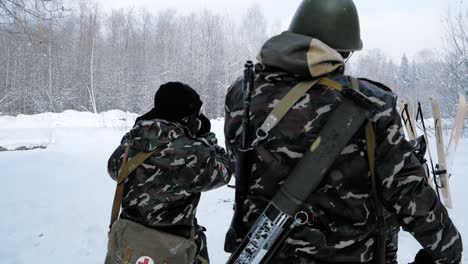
point(462, 99)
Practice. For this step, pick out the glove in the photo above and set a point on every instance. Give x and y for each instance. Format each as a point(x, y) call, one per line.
point(205, 126)
point(232, 240)
point(423, 258)
point(193, 124)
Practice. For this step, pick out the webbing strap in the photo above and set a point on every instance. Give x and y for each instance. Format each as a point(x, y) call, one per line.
point(128, 166)
point(331, 83)
point(354, 83)
point(283, 107)
point(132, 164)
point(289, 101)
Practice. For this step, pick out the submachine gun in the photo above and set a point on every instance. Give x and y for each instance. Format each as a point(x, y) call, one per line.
point(244, 160)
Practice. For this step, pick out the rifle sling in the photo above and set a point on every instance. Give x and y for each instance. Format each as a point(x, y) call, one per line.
point(343, 123)
point(334, 136)
point(353, 112)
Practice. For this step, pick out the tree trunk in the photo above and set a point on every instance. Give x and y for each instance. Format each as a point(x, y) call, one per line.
point(91, 65)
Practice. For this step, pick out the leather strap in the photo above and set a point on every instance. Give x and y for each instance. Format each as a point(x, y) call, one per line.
point(192, 233)
point(118, 191)
point(381, 230)
point(370, 142)
point(128, 166)
point(127, 255)
point(202, 260)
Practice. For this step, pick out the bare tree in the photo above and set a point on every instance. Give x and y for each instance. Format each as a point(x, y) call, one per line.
point(22, 13)
point(456, 55)
point(93, 24)
point(456, 23)
point(6, 100)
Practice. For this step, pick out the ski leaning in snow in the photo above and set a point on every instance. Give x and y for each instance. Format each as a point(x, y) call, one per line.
point(457, 130)
point(407, 116)
point(431, 176)
point(441, 167)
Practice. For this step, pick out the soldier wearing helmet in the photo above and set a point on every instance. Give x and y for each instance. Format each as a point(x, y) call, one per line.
point(343, 210)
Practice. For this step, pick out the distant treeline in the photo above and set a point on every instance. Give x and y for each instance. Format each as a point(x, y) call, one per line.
point(87, 59)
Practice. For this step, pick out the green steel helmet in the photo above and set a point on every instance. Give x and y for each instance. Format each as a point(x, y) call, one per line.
point(334, 22)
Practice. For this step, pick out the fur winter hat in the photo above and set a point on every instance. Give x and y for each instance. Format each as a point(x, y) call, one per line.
point(173, 102)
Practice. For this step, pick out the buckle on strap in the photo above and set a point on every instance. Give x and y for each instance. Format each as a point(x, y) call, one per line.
point(301, 218)
point(270, 122)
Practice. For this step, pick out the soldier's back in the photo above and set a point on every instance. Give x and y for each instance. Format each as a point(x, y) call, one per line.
point(340, 211)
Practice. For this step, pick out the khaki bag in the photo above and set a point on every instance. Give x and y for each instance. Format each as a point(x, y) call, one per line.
point(133, 243)
point(130, 241)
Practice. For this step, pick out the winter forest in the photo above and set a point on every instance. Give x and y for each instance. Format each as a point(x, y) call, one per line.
point(56, 56)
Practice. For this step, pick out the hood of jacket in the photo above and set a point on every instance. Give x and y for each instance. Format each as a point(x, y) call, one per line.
point(148, 135)
point(300, 55)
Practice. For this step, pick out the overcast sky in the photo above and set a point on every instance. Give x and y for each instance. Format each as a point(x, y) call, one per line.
point(395, 26)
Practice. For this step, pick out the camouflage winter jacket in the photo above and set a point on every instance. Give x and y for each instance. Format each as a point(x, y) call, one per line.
point(165, 190)
point(341, 229)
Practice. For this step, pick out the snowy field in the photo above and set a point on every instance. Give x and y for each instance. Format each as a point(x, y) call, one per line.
point(56, 201)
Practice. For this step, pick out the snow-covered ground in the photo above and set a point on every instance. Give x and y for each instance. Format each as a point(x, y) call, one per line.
point(39, 130)
point(56, 202)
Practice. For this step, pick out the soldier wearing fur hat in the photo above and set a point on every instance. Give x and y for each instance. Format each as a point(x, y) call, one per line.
point(162, 192)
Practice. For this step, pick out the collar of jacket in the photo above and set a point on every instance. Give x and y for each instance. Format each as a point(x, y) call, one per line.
point(147, 135)
point(300, 55)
